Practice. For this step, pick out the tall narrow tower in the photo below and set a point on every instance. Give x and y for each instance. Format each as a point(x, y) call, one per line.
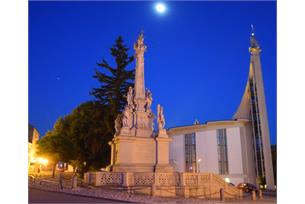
point(140, 48)
point(253, 107)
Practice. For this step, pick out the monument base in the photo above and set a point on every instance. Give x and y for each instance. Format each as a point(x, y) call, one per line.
point(133, 154)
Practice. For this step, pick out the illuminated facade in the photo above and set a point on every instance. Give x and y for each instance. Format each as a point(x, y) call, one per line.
point(33, 137)
point(237, 149)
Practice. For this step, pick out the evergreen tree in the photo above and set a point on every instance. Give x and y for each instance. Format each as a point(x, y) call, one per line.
point(115, 81)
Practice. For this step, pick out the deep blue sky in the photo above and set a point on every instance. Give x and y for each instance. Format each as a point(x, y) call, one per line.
point(196, 64)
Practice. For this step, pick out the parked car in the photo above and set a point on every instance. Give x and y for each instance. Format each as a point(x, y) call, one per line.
point(247, 187)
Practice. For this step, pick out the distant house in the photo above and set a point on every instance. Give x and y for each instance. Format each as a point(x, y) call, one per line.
point(33, 137)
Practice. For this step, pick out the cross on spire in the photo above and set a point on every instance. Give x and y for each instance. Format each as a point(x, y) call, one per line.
point(252, 30)
point(253, 41)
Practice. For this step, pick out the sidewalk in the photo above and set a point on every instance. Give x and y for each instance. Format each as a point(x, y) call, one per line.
point(120, 195)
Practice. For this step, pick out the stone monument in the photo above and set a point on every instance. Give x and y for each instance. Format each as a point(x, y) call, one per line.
point(134, 147)
point(140, 157)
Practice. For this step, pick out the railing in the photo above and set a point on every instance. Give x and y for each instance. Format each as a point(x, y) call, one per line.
point(62, 181)
point(143, 179)
point(186, 184)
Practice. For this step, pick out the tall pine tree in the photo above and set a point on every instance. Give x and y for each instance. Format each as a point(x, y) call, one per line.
point(116, 80)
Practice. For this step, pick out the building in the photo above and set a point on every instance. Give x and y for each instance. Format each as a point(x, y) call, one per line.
point(33, 137)
point(238, 149)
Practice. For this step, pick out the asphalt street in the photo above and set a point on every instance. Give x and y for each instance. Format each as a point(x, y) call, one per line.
point(40, 196)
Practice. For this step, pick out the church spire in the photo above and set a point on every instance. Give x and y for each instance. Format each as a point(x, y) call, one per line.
point(253, 107)
point(254, 46)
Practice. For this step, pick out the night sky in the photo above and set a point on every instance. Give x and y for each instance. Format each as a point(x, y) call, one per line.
point(196, 64)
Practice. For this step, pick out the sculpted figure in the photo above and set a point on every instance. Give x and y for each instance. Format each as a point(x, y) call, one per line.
point(161, 119)
point(148, 99)
point(125, 118)
point(151, 120)
point(130, 97)
point(118, 124)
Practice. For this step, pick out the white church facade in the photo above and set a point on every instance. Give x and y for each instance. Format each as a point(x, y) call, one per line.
point(238, 149)
point(221, 147)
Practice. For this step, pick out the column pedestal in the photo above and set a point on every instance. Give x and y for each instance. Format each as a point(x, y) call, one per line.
point(134, 154)
point(162, 162)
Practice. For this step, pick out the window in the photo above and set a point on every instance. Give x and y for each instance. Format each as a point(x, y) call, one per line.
point(257, 132)
point(190, 152)
point(222, 151)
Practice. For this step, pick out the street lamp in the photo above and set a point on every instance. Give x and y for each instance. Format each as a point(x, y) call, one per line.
point(198, 164)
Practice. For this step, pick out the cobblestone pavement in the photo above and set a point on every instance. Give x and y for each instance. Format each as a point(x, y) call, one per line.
point(121, 195)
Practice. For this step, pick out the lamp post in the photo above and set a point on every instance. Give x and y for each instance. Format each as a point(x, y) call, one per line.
point(198, 165)
point(175, 164)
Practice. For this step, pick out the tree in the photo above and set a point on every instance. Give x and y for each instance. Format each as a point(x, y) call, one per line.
point(56, 145)
point(115, 81)
point(87, 131)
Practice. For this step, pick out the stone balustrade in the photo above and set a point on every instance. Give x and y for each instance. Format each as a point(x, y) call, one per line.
point(205, 185)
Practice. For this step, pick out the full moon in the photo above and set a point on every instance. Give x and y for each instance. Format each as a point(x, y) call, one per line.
point(160, 8)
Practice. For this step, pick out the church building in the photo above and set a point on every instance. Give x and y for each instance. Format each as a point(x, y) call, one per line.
point(237, 149)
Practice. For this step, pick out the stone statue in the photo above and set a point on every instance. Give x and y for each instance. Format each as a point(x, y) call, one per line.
point(148, 100)
point(196, 122)
point(130, 97)
point(118, 123)
point(126, 118)
point(139, 46)
point(161, 119)
point(151, 120)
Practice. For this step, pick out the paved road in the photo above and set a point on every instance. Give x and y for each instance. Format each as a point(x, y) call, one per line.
point(40, 196)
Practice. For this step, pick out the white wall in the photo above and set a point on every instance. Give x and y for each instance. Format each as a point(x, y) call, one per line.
point(206, 150)
point(240, 169)
point(176, 153)
point(234, 151)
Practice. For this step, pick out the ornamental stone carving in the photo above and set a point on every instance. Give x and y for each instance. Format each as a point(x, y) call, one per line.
point(130, 98)
point(118, 124)
point(161, 119)
point(148, 100)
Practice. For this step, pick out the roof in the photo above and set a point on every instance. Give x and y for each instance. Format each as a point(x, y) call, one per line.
point(208, 125)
